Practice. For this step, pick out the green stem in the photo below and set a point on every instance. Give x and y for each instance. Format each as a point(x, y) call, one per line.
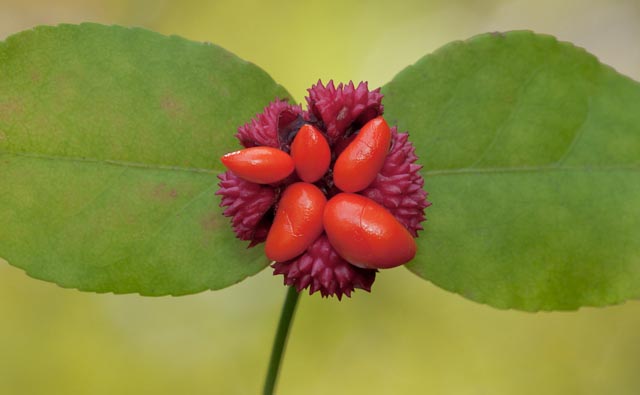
point(288, 310)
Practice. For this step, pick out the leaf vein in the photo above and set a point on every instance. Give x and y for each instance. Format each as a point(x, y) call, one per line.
point(576, 137)
point(529, 169)
point(174, 214)
point(503, 125)
point(114, 163)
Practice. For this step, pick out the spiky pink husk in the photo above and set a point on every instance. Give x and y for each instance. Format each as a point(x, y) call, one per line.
point(399, 187)
point(343, 107)
point(340, 111)
point(263, 129)
point(246, 203)
point(322, 269)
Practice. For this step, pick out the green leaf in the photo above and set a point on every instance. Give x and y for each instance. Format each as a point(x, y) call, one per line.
point(110, 141)
point(531, 154)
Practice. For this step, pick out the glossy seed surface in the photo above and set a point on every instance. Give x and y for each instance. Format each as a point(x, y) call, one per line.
point(311, 154)
point(365, 234)
point(262, 165)
point(359, 163)
point(298, 222)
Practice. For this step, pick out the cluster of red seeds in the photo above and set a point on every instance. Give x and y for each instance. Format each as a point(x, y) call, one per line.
point(334, 192)
point(362, 232)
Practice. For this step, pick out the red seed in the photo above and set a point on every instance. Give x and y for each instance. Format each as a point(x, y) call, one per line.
point(359, 163)
point(298, 222)
point(262, 165)
point(311, 154)
point(365, 234)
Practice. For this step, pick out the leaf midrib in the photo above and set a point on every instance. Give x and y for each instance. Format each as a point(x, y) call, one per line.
point(213, 170)
point(524, 169)
point(429, 173)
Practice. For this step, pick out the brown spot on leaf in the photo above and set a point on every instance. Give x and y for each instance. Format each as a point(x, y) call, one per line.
point(10, 109)
point(219, 85)
point(2, 136)
point(171, 106)
point(162, 192)
point(211, 221)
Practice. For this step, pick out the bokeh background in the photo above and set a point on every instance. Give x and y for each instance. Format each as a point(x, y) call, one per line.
point(408, 336)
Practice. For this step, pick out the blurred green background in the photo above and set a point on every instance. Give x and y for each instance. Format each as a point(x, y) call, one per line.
point(408, 336)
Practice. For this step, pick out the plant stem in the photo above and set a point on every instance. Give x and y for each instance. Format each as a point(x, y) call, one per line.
point(288, 310)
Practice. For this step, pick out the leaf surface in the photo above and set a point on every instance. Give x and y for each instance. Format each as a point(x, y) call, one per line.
point(531, 154)
point(110, 141)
